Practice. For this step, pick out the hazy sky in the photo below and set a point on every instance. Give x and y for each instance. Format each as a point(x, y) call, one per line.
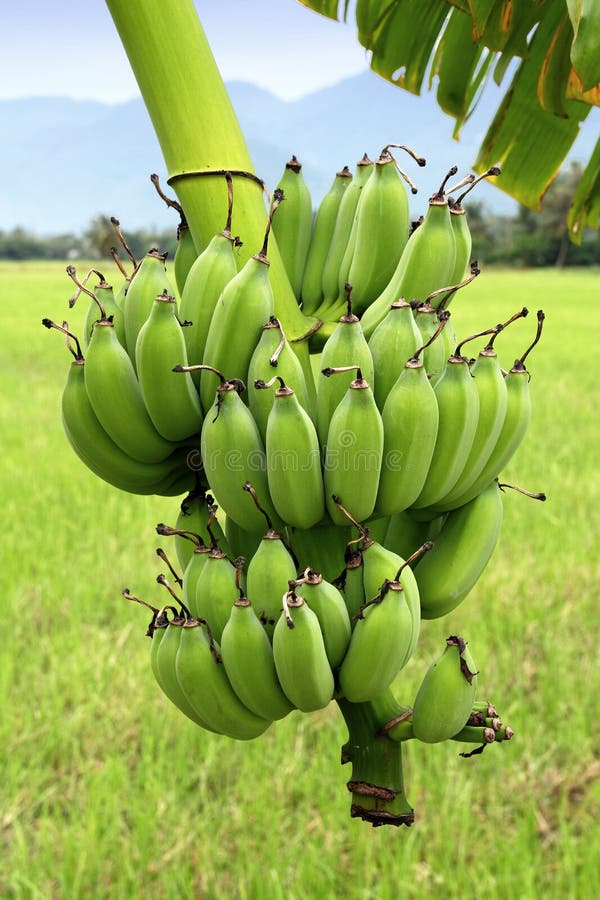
point(71, 48)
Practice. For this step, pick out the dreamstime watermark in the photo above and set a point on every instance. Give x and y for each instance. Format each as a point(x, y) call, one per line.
point(347, 456)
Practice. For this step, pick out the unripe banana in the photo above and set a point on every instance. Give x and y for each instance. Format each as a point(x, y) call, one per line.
point(149, 280)
point(216, 591)
point(461, 552)
point(379, 644)
point(394, 341)
point(410, 425)
point(320, 242)
point(445, 698)
point(354, 453)
point(293, 223)
point(170, 398)
point(197, 515)
point(93, 445)
point(163, 661)
point(293, 460)
point(341, 233)
point(458, 405)
point(232, 454)
point(426, 264)
point(104, 299)
point(354, 589)
point(493, 399)
point(241, 541)
point(300, 656)
point(462, 234)
point(249, 663)
point(321, 547)
point(212, 270)
point(514, 427)
point(192, 573)
point(274, 355)
point(185, 256)
point(203, 679)
point(346, 347)
point(117, 400)
point(330, 609)
point(245, 304)
point(269, 573)
point(382, 225)
point(404, 534)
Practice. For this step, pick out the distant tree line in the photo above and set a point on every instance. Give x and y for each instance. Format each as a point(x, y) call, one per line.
point(527, 239)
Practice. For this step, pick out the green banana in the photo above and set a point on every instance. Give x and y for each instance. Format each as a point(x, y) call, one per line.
point(185, 254)
point(117, 399)
point(102, 297)
point(328, 604)
point(382, 227)
point(241, 541)
point(321, 547)
point(342, 232)
point(380, 642)
point(346, 347)
point(462, 232)
point(163, 662)
point(149, 280)
point(245, 304)
point(320, 242)
point(211, 271)
point(410, 419)
point(353, 584)
point(197, 515)
point(394, 341)
point(249, 663)
point(269, 573)
point(300, 656)
point(273, 352)
point(293, 460)
point(446, 695)
point(93, 445)
point(170, 398)
point(354, 451)
point(293, 223)
point(216, 591)
point(404, 533)
point(493, 401)
point(458, 404)
point(203, 679)
point(461, 552)
point(514, 427)
point(426, 264)
point(232, 454)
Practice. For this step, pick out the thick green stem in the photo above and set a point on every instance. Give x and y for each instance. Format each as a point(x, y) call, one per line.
point(377, 782)
point(198, 131)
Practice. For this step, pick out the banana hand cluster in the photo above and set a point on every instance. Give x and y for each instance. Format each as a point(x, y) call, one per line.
point(375, 468)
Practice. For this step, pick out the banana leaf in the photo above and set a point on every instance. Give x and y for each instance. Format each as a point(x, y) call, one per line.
point(558, 78)
point(527, 141)
point(585, 208)
point(585, 52)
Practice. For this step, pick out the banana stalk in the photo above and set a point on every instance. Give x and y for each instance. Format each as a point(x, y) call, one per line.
point(198, 131)
point(377, 780)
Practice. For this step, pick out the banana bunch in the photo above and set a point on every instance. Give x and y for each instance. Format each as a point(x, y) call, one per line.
point(342, 485)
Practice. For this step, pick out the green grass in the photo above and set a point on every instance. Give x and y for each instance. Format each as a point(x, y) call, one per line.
point(107, 791)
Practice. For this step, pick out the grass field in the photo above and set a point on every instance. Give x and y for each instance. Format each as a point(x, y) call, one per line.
point(107, 791)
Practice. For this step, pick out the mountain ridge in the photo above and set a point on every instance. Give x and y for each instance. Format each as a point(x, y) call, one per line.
point(69, 160)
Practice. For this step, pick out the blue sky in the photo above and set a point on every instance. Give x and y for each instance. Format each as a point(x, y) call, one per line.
point(69, 48)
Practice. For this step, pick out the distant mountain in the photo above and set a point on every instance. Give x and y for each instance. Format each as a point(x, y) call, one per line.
point(68, 160)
